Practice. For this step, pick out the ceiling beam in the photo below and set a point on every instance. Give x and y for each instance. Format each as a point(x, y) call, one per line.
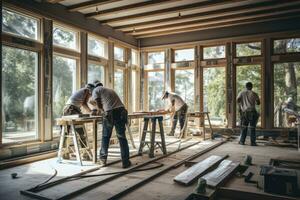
point(54, 1)
point(255, 14)
point(220, 25)
point(207, 15)
point(90, 4)
point(128, 8)
point(194, 6)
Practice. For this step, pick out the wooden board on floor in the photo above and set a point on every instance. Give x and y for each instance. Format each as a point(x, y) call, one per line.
point(224, 170)
point(197, 170)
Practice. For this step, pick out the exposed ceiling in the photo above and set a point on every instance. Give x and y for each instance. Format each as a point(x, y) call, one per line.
point(145, 18)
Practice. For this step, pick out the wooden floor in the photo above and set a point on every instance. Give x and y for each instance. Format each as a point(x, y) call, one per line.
point(162, 187)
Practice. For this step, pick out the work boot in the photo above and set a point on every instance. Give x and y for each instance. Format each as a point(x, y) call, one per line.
point(241, 143)
point(253, 144)
point(102, 162)
point(126, 164)
point(171, 133)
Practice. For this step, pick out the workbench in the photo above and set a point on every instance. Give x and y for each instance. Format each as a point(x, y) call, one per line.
point(71, 121)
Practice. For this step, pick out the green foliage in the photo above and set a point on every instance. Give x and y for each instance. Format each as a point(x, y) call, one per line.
point(18, 81)
point(19, 24)
point(64, 73)
point(184, 86)
point(155, 90)
point(119, 83)
point(214, 92)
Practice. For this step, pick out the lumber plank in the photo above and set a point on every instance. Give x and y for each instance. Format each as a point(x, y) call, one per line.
point(223, 171)
point(192, 173)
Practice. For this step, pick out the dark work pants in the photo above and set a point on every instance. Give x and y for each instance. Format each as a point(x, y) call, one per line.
point(248, 118)
point(118, 118)
point(179, 115)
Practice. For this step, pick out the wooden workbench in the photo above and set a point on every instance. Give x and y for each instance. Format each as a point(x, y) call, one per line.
point(69, 120)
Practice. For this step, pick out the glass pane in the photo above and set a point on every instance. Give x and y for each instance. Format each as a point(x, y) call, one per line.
point(184, 55)
point(19, 24)
point(134, 57)
point(184, 86)
point(119, 83)
point(64, 38)
point(248, 49)
point(244, 74)
point(286, 92)
point(214, 95)
point(64, 84)
point(95, 72)
point(96, 47)
point(119, 53)
point(134, 90)
point(214, 52)
point(155, 90)
point(287, 45)
point(156, 57)
point(19, 95)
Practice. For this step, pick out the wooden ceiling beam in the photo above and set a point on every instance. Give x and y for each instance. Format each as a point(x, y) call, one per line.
point(207, 15)
point(220, 25)
point(128, 8)
point(54, 1)
point(90, 4)
point(194, 6)
point(242, 16)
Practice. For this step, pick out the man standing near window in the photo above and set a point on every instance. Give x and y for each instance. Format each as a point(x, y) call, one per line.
point(180, 107)
point(247, 100)
point(114, 114)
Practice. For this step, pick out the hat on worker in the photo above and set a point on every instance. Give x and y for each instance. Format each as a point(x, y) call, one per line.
point(165, 95)
point(97, 83)
point(90, 87)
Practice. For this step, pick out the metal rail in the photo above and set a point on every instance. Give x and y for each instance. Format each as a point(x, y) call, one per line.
point(144, 181)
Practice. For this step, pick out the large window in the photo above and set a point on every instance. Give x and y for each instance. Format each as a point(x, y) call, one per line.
point(96, 47)
point(287, 46)
point(119, 53)
point(184, 86)
point(20, 24)
point(134, 91)
point(64, 84)
point(155, 90)
point(215, 52)
point(286, 92)
point(214, 94)
point(248, 49)
point(156, 57)
point(19, 95)
point(184, 55)
point(65, 38)
point(119, 83)
point(95, 72)
point(248, 73)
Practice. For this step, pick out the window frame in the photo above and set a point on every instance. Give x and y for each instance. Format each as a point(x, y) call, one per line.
point(283, 38)
point(183, 48)
point(65, 27)
point(208, 46)
point(105, 41)
point(262, 52)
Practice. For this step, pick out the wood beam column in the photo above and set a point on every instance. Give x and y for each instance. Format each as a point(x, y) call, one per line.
point(169, 79)
point(110, 67)
point(128, 74)
point(46, 81)
point(268, 81)
point(230, 86)
point(83, 58)
point(197, 78)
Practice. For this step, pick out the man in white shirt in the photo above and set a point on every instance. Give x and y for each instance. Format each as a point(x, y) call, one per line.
point(247, 100)
point(180, 107)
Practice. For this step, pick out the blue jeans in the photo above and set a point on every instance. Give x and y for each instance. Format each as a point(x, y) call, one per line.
point(181, 116)
point(248, 118)
point(118, 118)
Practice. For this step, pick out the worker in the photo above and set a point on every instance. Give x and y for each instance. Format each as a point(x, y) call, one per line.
point(247, 100)
point(78, 101)
point(179, 107)
point(114, 114)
